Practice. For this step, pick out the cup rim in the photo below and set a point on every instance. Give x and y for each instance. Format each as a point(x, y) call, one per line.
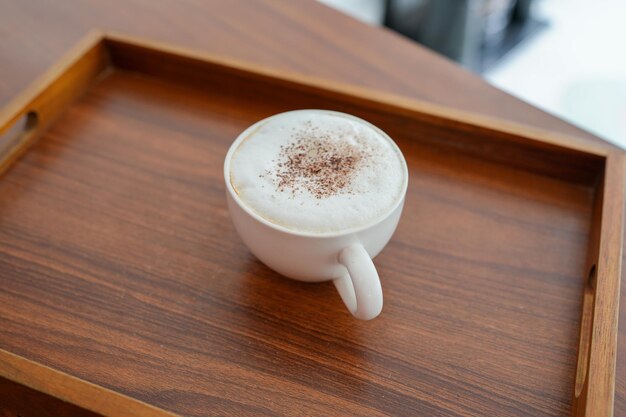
point(243, 135)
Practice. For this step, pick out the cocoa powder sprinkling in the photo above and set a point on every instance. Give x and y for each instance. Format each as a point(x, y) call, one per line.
point(317, 162)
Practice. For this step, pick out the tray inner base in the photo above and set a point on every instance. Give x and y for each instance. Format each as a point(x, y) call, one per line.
point(120, 264)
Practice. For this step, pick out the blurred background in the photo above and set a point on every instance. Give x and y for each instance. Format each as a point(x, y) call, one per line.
point(567, 57)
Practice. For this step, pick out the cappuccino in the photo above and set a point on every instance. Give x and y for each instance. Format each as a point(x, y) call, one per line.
point(318, 172)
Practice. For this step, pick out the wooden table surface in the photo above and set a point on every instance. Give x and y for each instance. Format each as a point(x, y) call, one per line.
point(301, 36)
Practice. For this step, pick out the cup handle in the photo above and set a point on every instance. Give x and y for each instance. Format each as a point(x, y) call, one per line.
point(360, 287)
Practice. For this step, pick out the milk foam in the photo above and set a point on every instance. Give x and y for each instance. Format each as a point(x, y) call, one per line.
point(317, 171)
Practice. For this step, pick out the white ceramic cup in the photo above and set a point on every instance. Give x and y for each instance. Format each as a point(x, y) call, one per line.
point(344, 257)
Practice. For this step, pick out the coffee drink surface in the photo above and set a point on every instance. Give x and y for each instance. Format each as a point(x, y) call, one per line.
point(318, 172)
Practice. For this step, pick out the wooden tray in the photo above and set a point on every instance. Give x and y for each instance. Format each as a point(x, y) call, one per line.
point(125, 290)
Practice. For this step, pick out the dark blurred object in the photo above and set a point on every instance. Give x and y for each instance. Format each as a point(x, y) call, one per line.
point(475, 33)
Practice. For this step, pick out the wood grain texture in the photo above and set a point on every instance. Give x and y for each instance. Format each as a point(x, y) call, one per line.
point(594, 393)
point(28, 388)
point(162, 301)
point(152, 133)
point(296, 35)
point(50, 94)
point(568, 158)
point(30, 44)
point(606, 309)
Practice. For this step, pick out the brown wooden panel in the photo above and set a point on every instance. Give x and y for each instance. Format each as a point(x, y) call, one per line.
point(123, 199)
point(302, 36)
point(440, 127)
